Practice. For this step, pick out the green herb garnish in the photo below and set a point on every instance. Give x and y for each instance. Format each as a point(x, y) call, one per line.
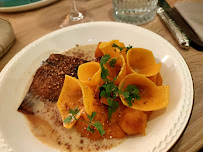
point(67, 120)
point(95, 124)
point(92, 116)
point(113, 106)
point(128, 48)
point(73, 112)
point(121, 48)
point(104, 59)
point(99, 127)
point(104, 72)
point(131, 94)
point(112, 62)
point(109, 90)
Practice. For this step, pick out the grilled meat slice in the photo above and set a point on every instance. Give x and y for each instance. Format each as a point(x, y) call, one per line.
point(48, 80)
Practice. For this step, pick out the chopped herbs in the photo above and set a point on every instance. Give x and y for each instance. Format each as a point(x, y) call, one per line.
point(96, 124)
point(90, 129)
point(104, 72)
point(113, 106)
point(121, 48)
point(68, 119)
point(128, 48)
point(105, 58)
point(99, 127)
point(92, 116)
point(112, 63)
point(107, 89)
point(73, 112)
point(110, 91)
point(131, 94)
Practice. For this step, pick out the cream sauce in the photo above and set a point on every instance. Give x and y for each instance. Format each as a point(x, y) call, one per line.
point(46, 123)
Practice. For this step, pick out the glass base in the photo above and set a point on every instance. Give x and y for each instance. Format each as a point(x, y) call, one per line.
point(135, 19)
point(72, 21)
point(76, 16)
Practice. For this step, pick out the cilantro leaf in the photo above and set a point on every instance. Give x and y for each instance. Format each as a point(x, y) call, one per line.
point(105, 58)
point(113, 106)
point(128, 48)
point(112, 63)
point(131, 93)
point(74, 112)
point(115, 78)
point(126, 94)
point(110, 91)
point(121, 48)
point(104, 73)
point(114, 45)
point(90, 129)
point(103, 93)
point(92, 116)
point(68, 119)
point(129, 101)
point(99, 127)
point(97, 124)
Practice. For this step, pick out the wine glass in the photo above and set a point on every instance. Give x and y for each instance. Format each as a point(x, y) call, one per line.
point(75, 16)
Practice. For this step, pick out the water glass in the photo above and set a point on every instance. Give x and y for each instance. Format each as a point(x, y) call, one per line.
point(135, 11)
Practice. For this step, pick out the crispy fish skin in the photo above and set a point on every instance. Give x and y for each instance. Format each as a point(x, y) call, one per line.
point(48, 80)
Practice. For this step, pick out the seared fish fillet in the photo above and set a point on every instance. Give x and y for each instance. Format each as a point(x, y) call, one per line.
point(48, 80)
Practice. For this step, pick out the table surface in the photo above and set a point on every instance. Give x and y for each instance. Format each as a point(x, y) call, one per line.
point(31, 25)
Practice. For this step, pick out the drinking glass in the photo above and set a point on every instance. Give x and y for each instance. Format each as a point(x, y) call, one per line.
point(75, 16)
point(135, 11)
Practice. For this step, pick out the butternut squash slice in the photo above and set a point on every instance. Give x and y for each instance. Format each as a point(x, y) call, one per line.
point(157, 79)
point(90, 74)
point(142, 61)
point(107, 48)
point(75, 94)
point(123, 52)
point(118, 70)
point(152, 97)
point(98, 52)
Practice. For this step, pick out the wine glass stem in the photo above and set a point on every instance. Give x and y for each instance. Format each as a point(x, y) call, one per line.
point(75, 15)
point(74, 8)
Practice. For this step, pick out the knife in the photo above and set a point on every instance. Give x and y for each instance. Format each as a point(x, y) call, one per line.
point(171, 24)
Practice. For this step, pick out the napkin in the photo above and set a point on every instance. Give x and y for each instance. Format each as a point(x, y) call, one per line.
point(7, 36)
point(192, 12)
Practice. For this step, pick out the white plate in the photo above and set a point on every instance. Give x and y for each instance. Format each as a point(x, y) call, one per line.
point(163, 129)
point(27, 7)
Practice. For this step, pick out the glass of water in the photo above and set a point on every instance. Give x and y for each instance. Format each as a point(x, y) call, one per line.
point(135, 11)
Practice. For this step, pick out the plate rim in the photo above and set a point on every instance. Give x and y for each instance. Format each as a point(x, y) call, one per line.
point(173, 138)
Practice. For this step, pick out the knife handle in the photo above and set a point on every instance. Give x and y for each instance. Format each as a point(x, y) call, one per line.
point(173, 27)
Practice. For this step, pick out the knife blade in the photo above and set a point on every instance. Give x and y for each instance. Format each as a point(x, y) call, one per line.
point(171, 24)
